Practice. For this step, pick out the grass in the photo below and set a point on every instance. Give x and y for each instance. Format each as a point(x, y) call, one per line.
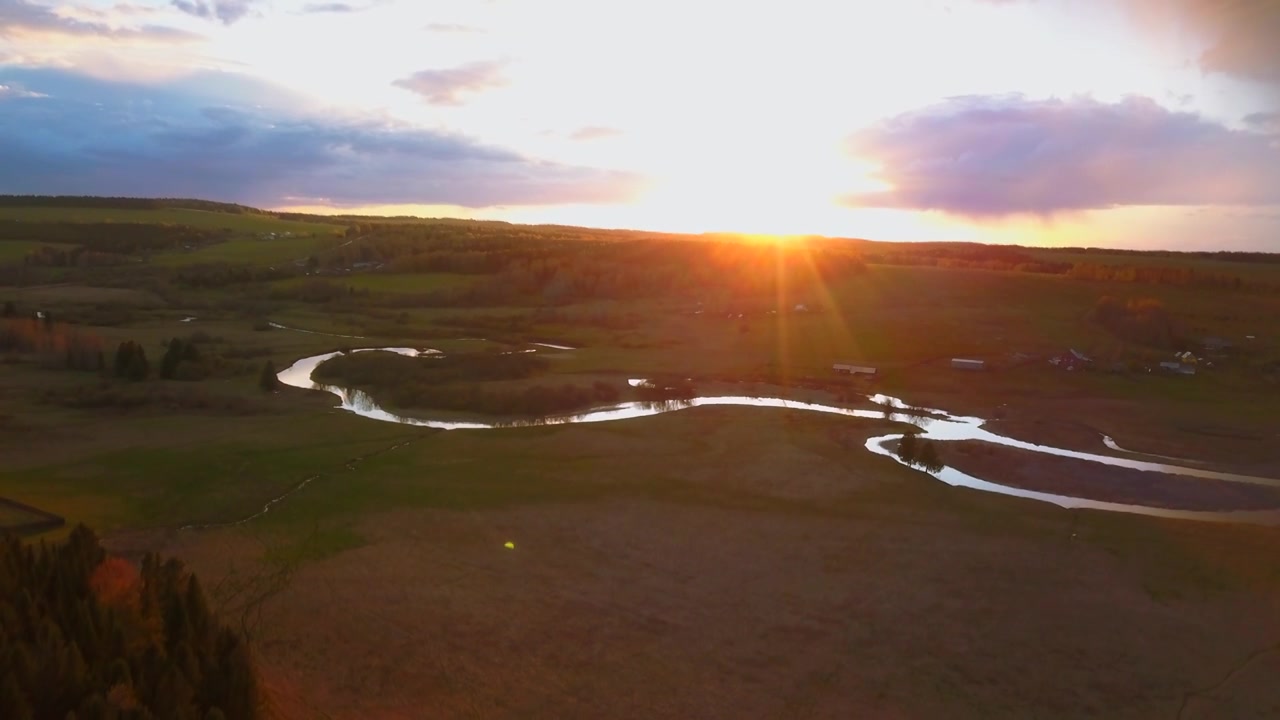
point(645, 547)
point(16, 250)
point(11, 516)
point(205, 475)
point(202, 219)
point(1248, 271)
point(642, 548)
point(387, 282)
point(42, 296)
point(252, 250)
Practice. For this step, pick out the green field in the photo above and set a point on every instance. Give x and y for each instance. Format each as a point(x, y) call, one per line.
point(390, 283)
point(11, 516)
point(15, 250)
point(403, 568)
point(1265, 272)
point(259, 250)
point(202, 219)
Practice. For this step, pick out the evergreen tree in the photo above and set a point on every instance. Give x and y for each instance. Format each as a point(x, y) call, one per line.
point(124, 353)
point(268, 380)
point(138, 367)
point(172, 357)
point(907, 449)
point(63, 653)
point(14, 704)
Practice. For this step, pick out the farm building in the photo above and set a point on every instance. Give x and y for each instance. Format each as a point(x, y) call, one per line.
point(845, 369)
point(1071, 360)
point(965, 364)
point(1216, 344)
point(1178, 367)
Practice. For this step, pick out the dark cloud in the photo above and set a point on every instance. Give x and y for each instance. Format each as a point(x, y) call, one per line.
point(984, 156)
point(22, 16)
point(226, 11)
point(1239, 36)
point(446, 86)
point(94, 137)
point(594, 132)
point(1244, 36)
point(1264, 122)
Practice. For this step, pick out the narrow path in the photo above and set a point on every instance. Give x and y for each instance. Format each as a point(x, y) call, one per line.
point(1235, 670)
point(349, 466)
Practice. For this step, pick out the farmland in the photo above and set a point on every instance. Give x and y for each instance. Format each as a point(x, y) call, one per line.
point(711, 562)
point(201, 219)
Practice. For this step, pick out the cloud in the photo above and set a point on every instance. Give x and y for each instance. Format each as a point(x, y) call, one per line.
point(226, 11)
point(1264, 122)
point(330, 7)
point(1244, 35)
point(13, 92)
point(185, 138)
point(19, 17)
point(447, 86)
point(986, 156)
point(451, 28)
point(1238, 36)
point(594, 132)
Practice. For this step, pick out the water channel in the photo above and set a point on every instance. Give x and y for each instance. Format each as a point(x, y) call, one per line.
point(934, 424)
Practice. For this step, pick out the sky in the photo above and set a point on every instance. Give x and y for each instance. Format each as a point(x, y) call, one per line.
point(1108, 123)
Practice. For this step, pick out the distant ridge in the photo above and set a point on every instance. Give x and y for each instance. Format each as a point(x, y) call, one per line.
point(127, 203)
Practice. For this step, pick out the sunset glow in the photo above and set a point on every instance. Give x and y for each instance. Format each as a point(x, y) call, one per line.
point(1135, 123)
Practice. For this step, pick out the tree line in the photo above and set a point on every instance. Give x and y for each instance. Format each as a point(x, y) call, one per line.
point(88, 636)
point(126, 203)
point(557, 266)
point(1144, 321)
point(129, 238)
point(55, 344)
point(457, 382)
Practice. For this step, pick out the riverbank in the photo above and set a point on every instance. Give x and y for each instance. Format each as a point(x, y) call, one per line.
point(1106, 483)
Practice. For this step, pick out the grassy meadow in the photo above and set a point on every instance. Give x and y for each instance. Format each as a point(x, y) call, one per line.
point(711, 562)
point(202, 219)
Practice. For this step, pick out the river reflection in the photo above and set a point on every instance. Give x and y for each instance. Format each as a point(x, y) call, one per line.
point(934, 424)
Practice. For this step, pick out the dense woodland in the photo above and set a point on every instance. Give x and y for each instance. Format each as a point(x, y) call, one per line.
point(1144, 321)
point(87, 636)
point(53, 343)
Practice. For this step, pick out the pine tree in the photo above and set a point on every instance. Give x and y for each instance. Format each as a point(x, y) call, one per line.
point(14, 705)
point(907, 449)
point(268, 380)
point(172, 357)
point(124, 353)
point(198, 615)
point(138, 367)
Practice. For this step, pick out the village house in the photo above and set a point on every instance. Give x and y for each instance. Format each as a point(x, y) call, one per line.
point(1071, 360)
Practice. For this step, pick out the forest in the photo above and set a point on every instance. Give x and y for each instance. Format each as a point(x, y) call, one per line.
point(88, 636)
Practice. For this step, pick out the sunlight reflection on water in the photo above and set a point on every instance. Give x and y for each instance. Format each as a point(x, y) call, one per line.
point(934, 424)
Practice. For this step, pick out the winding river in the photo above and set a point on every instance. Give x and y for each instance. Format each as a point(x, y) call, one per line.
point(935, 424)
